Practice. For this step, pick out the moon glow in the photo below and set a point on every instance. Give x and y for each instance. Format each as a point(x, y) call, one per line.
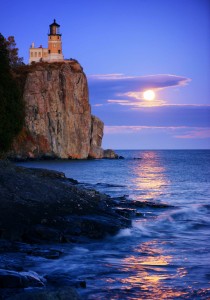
point(149, 95)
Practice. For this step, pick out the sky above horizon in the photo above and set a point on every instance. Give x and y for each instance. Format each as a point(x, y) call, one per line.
point(125, 48)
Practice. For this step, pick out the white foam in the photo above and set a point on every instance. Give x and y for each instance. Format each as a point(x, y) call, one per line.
point(141, 228)
point(124, 233)
point(81, 249)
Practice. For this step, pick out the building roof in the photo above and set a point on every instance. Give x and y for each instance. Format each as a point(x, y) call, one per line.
point(55, 24)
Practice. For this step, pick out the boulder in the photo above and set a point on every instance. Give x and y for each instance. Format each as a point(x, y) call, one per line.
point(13, 279)
point(109, 153)
point(57, 279)
point(66, 293)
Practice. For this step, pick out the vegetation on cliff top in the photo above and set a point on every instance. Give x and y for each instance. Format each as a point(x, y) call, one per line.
point(11, 103)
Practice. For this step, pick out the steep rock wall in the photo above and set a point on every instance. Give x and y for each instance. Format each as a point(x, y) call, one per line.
point(97, 132)
point(58, 115)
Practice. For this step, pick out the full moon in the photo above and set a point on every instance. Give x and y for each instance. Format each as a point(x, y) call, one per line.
point(149, 95)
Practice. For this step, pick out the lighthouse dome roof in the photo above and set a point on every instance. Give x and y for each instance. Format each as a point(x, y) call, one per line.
point(55, 24)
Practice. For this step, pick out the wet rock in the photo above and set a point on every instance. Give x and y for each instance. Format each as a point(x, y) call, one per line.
point(49, 254)
point(98, 226)
point(59, 280)
point(42, 172)
point(42, 251)
point(109, 185)
point(126, 212)
point(13, 279)
point(148, 204)
point(66, 293)
point(139, 214)
point(12, 265)
point(120, 201)
point(39, 233)
point(73, 181)
point(110, 154)
point(39, 207)
point(5, 246)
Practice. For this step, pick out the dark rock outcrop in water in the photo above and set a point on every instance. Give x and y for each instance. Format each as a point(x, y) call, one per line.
point(13, 279)
point(64, 293)
point(39, 211)
point(44, 206)
point(37, 208)
point(110, 154)
point(58, 120)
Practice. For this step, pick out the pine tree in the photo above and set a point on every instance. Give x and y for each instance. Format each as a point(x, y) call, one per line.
point(11, 103)
point(14, 59)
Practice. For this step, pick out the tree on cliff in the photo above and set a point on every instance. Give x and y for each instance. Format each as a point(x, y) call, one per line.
point(14, 59)
point(11, 103)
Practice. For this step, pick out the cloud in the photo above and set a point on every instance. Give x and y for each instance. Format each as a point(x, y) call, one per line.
point(120, 89)
point(178, 132)
point(133, 129)
point(116, 76)
point(199, 133)
point(97, 104)
point(140, 103)
point(118, 101)
point(155, 81)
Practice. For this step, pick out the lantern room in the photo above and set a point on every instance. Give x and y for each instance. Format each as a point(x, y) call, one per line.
point(54, 28)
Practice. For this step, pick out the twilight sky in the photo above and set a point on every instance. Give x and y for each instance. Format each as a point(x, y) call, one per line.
point(125, 48)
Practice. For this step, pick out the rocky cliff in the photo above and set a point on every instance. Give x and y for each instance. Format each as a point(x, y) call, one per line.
point(58, 120)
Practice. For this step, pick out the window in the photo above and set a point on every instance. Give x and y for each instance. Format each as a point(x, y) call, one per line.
point(58, 37)
point(59, 51)
point(35, 54)
point(49, 51)
point(39, 54)
point(32, 54)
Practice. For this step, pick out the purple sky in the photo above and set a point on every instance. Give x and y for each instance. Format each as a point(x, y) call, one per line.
point(125, 48)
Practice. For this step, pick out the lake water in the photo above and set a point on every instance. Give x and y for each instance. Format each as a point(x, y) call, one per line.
point(166, 254)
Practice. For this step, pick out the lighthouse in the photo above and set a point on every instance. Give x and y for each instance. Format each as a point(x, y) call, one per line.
point(54, 43)
point(54, 51)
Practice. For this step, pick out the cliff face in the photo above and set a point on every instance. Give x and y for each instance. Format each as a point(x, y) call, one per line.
point(97, 131)
point(58, 115)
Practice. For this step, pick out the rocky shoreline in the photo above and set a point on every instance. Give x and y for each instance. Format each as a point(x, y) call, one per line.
point(106, 154)
point(41, 211)
point(40, 207)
